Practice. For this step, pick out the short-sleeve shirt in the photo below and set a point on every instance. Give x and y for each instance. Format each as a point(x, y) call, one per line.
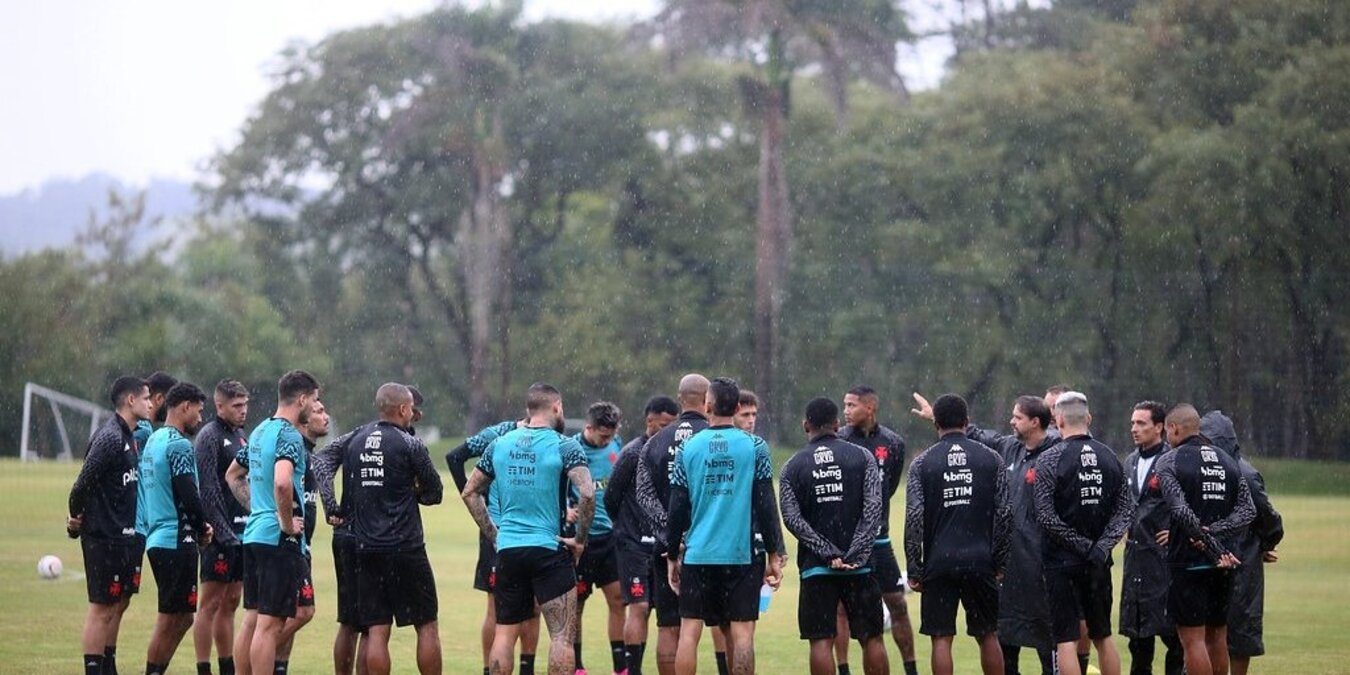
point(719, 467)
point(275, 440)
point(167, 456)
point(529, 466)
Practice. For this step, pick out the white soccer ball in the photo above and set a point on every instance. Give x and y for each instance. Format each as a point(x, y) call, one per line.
point(49, 567)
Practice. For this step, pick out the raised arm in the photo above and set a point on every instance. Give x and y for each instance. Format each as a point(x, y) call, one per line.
point(474, 446)
point(865, 534)
point(1044, 493)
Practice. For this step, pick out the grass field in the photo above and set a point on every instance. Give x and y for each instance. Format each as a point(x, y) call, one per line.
point(1308, 592)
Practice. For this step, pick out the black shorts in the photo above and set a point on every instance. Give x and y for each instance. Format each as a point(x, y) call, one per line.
point(1199, 597)
point(975, 591)
point(175, 572)
point(664, 599)
point(635, 571)
point(485, 572)
point(272, 577)
point(886, 569)
point(721, 594)
point(598, 566)
point(112, 568)
point(344, 565)
point(222, 563)
point(395, 587)
point(1079, 593)
point(305, 598)
point(819, 600)
point(529, 575)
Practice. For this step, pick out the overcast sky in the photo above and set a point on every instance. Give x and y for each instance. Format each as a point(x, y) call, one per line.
point(151, 88)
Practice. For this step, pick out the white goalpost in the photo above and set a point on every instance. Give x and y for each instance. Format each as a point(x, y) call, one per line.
point(55, 401)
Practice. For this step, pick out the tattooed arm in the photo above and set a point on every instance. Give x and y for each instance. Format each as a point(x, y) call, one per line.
point(474, 496)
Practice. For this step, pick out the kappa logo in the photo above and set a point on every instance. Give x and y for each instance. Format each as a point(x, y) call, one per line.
point(227, 442)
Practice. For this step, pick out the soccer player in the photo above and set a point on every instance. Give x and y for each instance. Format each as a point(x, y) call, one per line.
point(388, 473)
point(721, 487)
point(313, 429)
point(160, 383)
point(888, 449)
point(832, 503)
point(632, 531)
point(222, 565)
point(1085, 508)
point(102, 513)
point(653, 494)
point(957, 524)
point(599, 565)
point(1255, 548)
point(530, 467)
point(485, 576)
point(1210, 503)
point(268, 477)
point(1143, 596)
point(175, 522)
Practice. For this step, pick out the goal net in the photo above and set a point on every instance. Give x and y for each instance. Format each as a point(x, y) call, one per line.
point(57, 425)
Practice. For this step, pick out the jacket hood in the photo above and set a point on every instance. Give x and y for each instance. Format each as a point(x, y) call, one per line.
point(1218, 428)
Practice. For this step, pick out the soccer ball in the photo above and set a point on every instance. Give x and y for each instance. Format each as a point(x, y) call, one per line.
point(49, 567)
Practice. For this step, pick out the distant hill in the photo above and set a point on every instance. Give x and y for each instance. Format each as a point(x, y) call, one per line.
point(52, 215)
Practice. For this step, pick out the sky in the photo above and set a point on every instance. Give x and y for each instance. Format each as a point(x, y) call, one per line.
point(152, 88)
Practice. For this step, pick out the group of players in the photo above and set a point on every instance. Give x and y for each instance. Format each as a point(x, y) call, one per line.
point(682, 520)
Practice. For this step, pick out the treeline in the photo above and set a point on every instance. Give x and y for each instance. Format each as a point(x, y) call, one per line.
point(1143, 200)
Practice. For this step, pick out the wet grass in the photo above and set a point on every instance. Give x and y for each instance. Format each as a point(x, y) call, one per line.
point(1308, 600)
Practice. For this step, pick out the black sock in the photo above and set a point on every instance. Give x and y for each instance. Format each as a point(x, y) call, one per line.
point(911, 668)
point(722, 668)
point(226, 664)
point(110, 660)
point(526, 664)
point(203, 668)
point(155, 668)
point(576, 653)
point(486, 670)
point(634, 660)
point(843, 669)
point(280, 667)
point(1083, 662)
point(93, 664)
point(618, 655)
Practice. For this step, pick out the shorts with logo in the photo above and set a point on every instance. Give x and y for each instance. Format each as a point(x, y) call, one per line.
point(721, 594)
point(395, 587)
point(976, 591)
point(819, 600)
point(305, 598)
point(175, 571)
point(528, 575)
point(598, 566)
point(1079, 593)
point(484, 573)
point(1199, 597)
point(112, 568)
point(635, 571)
point(886, 569)
point(344, 566)
point(223, 563)
point(272, 576)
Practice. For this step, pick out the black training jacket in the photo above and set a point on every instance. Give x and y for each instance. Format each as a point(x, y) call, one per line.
point(1081, 502)
point(888, 449)
point(1145, 578)
point(215, 446)
point(1209, 500)
point(386, 473)
point(104, 492)
point(830, 493)
point(956, 510)
point(631, 524)
point(657, 462)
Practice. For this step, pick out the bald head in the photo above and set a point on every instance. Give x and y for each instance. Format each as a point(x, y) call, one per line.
point(1183, 422)
point(693, 391)
point(390, 397)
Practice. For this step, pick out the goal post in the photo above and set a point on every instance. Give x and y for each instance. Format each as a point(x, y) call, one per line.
point(55, 402)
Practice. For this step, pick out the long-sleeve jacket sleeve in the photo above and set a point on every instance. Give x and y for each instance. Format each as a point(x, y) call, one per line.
point(1244, 512)
point(1184, 521)
point(622, 478)
point(455, 461)
point(649, 501)
point(206, 446)
point(860, 547)
point(182, 467)
point(796, 523)
point(681, 515)
point(1122, 516)
point(1268, 526)
point(1003, 444)
point(766, 503)
point(430, 489)
point(326, 464)
point(1054, 526)
point(914, 550)
point(1003, 521)
point(102, 451)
